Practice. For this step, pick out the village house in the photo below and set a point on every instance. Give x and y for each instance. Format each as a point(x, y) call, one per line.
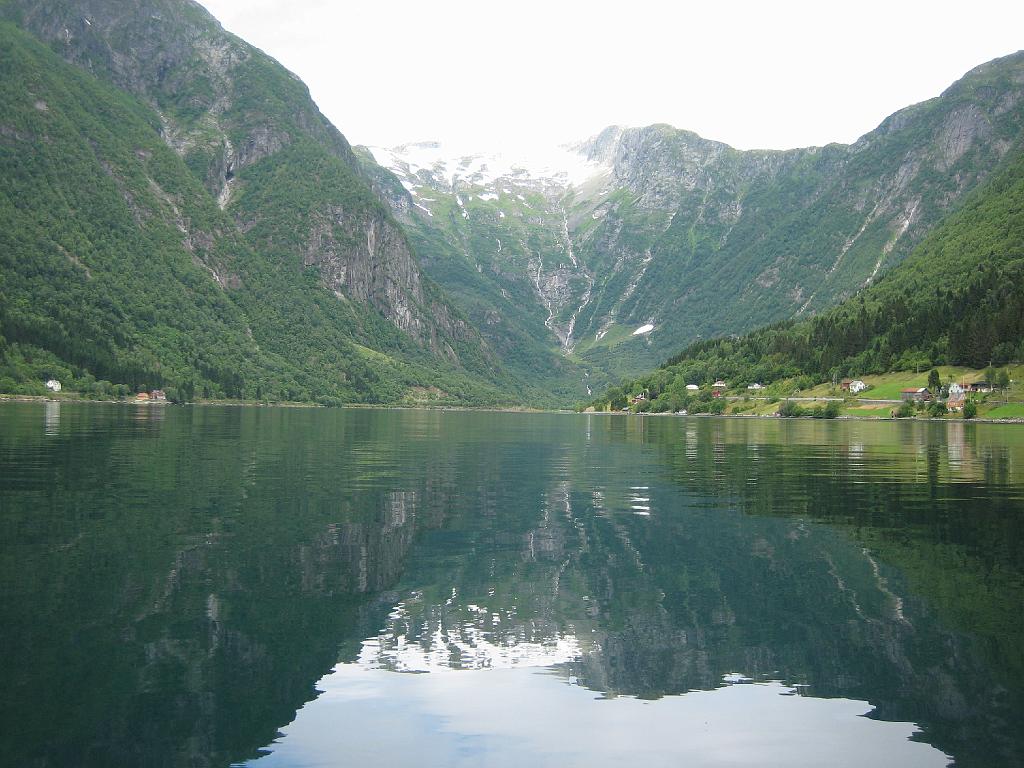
point(756, 385)
point(53, 385)
point(142, 397)
point(957, 396)
point(916, 394)
point(719, 385)
point(979, 386)
point(956, 400)
point(853, 386)
point(158, 395)
point(692, 387)
point(844, 385)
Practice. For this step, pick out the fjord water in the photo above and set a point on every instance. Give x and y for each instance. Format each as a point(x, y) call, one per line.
point(321, 587)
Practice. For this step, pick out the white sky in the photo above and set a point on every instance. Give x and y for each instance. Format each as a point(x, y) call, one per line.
point(752, 74)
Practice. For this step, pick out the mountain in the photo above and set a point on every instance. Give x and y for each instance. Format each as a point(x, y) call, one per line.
point(179, 213)
point(663, 237)
point(957, 299)
point(494, 230)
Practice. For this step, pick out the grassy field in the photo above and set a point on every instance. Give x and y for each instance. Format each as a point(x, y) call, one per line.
point(887, 386)
point(861, 410)
point(1008, 411)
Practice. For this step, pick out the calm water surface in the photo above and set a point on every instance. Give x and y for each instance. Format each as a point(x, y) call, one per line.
point(275, 587)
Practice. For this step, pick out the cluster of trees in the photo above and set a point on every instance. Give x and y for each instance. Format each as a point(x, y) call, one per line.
point(664, 399)
point(790, 408)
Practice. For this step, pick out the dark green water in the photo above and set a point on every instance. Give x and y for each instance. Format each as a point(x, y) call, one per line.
point(208, 586)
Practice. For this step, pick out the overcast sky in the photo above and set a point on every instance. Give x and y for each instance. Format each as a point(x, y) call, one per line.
point(753, 74)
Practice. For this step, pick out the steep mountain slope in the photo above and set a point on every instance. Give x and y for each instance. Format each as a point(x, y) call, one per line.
point(957, 299)
point(293, 243)
point(95, 267)
point(494, 232)
point(666, 237)
point(757, 236)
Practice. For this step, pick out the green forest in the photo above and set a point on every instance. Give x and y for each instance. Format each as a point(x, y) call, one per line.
point(119, 273)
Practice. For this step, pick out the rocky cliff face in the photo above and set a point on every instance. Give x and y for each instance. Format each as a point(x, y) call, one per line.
point(225, 108)
point(173, 54)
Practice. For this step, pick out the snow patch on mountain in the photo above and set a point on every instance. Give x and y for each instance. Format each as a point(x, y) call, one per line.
point(556, 165)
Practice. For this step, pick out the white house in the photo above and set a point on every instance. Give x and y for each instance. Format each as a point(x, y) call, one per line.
point(857, 386)
point(53, 385)
point(692, 387)
point(755, 385)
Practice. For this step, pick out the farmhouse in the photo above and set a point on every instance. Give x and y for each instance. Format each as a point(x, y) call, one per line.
point(916, 394)
point(956, 400)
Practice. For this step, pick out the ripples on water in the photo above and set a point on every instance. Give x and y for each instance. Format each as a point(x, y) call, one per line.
point(468, 588)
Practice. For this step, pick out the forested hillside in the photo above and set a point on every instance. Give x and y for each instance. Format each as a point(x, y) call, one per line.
point(215, 240)
point(958, 299)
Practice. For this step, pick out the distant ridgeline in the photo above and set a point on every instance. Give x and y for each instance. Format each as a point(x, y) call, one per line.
point(958, 299)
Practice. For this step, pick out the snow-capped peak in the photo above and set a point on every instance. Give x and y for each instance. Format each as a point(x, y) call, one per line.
point(556, 165)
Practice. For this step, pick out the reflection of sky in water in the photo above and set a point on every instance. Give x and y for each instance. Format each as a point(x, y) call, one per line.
point(532, 717)
point(51, 417)
point(472, 642)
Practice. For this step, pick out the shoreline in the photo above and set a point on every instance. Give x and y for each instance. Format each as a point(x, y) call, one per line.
point(5, 398)
point(490, 409)
point(776, 417)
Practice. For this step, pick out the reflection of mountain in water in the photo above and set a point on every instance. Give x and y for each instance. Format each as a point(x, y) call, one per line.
point(660, 605)
point(186, 581)
point(184, 584)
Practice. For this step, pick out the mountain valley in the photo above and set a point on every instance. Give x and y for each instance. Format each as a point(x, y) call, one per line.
point(645, 239)
point(178, 213)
